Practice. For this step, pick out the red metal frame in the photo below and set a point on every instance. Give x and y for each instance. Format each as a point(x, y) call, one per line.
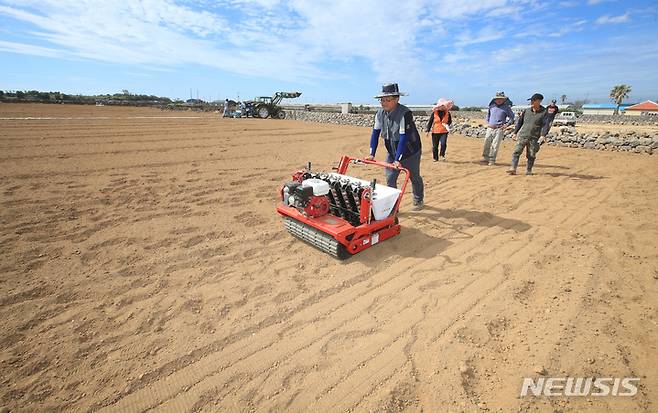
point(355, 239)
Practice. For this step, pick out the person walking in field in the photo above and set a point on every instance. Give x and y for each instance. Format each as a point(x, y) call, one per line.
point(395, 124)
point(439, 126)
point(551, 111)
point(499, 117)
point(531, 129)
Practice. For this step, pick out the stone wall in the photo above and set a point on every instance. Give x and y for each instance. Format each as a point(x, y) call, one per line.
point(631, 141)
point(638, 142)
point(588, 119)
point(620, 120)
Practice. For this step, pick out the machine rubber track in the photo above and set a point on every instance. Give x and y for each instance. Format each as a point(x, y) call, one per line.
point(316, 238)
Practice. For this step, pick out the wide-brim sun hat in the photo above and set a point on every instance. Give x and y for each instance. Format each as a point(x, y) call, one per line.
point(500, 95)
point(446, 103)
point(390, 89)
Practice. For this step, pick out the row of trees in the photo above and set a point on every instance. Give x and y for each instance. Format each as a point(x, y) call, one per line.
point(617, 94)
point(122, 98)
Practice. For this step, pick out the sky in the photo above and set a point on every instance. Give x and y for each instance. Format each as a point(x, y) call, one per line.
point(332, 51)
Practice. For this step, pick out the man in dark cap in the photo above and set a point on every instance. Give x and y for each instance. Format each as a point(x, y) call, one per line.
point(531, 129)
point(551, 111)
point(395, 124)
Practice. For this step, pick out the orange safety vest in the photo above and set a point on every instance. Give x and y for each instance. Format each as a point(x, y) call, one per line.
point(437, 126)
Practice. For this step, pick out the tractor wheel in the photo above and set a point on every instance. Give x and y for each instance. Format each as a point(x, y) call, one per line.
point(281, 115)
point(263, 112)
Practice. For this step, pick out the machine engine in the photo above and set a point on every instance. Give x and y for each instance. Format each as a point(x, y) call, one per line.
point(309, 197)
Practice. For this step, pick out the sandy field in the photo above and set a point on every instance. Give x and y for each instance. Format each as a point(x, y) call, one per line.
point(144, 268)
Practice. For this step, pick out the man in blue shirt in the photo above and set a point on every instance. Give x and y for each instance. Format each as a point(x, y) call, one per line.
point(395, 124)
point(499, 117)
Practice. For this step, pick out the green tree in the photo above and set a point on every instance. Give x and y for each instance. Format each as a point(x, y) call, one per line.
point(618, 94)
point(563, 98)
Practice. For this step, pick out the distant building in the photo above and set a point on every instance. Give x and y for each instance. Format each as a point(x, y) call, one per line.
point(345, 108)
point(647, 107)
point(603, 109)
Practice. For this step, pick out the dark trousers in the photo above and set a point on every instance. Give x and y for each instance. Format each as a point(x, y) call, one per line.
point(439, 138)
point(412, 163)
point(531, 146)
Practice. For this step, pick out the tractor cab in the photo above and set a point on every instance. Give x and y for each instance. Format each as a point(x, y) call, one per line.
point(263, 99)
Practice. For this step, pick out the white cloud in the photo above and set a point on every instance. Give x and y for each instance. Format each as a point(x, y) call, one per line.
point(30, 49)
point(486, 34)
point(451, 9)
point(298, 40)
point(154, 32)
point(293, 40)
point(569, 28)
point(596, 2)
point(504, 11)
point(613, 19)
point(454, 57)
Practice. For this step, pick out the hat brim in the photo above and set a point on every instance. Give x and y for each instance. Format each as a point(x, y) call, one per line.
point(445, 104)
point(499, 97)
point(381, 95)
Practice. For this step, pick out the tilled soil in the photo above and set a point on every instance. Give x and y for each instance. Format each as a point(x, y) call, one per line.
point(144, 267)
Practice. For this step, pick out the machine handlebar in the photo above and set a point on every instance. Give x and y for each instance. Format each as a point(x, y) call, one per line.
point(346, 160)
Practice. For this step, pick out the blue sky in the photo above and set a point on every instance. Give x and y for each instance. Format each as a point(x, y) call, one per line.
point(332, 51)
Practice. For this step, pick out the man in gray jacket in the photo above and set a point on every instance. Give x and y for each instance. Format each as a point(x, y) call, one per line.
point(499, 117)
point(531, 129)
point(395, 124)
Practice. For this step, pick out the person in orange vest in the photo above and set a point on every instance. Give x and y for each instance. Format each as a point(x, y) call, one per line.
point(439, 125)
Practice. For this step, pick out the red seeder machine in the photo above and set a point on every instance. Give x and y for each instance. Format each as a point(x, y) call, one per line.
point(339, 214)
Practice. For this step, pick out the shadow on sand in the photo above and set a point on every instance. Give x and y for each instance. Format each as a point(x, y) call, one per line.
point(413, 242)
point(478, 218)
point(573, 176)
point(503, 164)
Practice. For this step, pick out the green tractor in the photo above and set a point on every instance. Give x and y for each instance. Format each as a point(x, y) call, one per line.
point(267, 106)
